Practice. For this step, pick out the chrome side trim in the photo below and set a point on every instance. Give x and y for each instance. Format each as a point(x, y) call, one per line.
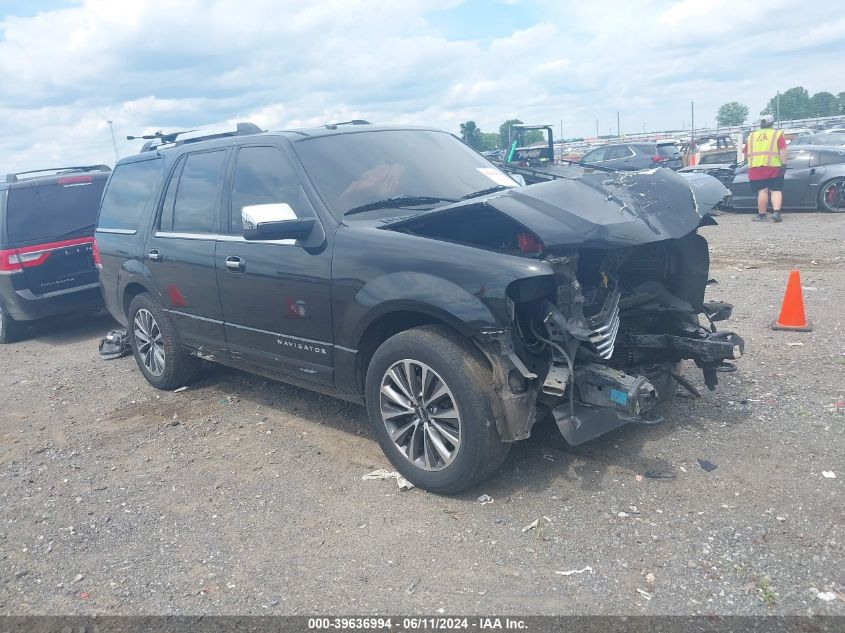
point(118, 231)
point(185, 236)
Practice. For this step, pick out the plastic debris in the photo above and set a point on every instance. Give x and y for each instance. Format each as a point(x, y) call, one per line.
point(575, 571)
point(180, 389)
point(827, 596)
point(828, 474)
point(638, 477)
point(645, 594)
point(795, 344)
point(531, 525)
point(623, 515)
point(382, 473)
point(115, 344)
point(650, 578)
point(707, 466)
point(485, 500)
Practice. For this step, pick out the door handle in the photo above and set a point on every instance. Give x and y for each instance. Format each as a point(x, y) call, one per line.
point(813, 171)
point(154, 255)
point(235, 263)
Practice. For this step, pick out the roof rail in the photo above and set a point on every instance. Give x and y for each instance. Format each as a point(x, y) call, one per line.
point(333, 126)
point(158, 139)
point(57, 170)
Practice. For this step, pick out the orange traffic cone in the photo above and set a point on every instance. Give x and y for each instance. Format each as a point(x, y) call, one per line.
point(792, 312)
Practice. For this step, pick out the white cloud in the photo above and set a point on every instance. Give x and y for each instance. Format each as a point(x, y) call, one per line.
point(163, 64)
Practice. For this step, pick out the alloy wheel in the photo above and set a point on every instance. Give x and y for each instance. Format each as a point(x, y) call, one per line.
point(833, 195)
point(149, 342)
point(420, 414)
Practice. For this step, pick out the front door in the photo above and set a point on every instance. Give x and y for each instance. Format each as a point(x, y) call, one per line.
point(796, 180)
point(276, 295)
point(180, 251)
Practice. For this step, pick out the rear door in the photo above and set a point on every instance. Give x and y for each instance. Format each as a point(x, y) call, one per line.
point(51, 226)
point(180, 250)
point(276, 294)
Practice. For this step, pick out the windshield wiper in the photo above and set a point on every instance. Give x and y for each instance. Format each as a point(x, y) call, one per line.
point(397, 202)
point(484, 192)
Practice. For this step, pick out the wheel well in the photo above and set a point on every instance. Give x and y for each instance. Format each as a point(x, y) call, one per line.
point(820, 201)
point(382, 329)
point(131, 291)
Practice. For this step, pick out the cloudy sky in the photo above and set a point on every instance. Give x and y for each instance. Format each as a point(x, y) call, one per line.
point(66, 68)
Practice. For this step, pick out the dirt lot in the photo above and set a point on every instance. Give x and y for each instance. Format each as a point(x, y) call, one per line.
point(243, 496)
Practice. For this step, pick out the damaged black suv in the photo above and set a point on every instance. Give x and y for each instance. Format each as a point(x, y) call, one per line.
point(396, 267)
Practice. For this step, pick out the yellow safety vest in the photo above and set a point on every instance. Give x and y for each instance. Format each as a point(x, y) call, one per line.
point(762, 148)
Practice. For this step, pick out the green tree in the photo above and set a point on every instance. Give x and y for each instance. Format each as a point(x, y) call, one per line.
point(489, 141)
point(841, 98)
point(824, 104)
point(471, 134)
point(505, 131)
point(731, 113)
point(794, 104)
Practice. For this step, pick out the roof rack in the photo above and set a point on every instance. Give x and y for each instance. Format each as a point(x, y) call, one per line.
point(157, 140)
point(57, 171)
point(333, 126)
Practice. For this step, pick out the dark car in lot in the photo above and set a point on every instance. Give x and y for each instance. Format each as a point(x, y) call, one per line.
point(814, 179)
point(398, 268)
point(635, 156)
point(47, 220)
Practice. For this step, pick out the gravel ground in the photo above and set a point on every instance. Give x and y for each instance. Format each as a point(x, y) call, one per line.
point(240, 496)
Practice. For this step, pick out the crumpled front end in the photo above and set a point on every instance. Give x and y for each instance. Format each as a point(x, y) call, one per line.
point(599, 335)
point(617, 330)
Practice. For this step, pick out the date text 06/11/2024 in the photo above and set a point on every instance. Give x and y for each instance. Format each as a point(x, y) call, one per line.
point(416, 623)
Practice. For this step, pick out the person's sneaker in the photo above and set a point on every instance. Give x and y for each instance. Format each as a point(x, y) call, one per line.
point(758, 217)
point(776, 216)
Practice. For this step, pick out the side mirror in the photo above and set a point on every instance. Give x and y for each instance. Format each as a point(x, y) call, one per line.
point(282, 230)
point(274, 222)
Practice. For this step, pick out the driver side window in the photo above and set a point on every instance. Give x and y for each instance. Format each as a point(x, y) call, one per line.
point(263, 176)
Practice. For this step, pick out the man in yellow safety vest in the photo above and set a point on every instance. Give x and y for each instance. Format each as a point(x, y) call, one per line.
point(765, 151)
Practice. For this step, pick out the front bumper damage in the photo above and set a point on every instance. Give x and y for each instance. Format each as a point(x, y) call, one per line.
point(608, 347)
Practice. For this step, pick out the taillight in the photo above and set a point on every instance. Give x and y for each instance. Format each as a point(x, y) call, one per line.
point(529, 243)
point(9, 261)
point(75, 180)
point(659, 159)
point(95, 254)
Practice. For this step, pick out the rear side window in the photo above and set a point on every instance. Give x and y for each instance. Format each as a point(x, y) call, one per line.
point(646, 148)
point(130, 190)
point(668, 150)
point(196, 194)
point(830, 157)
point(44, 212)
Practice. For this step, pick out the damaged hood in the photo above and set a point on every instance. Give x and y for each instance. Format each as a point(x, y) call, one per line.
point(599, 210)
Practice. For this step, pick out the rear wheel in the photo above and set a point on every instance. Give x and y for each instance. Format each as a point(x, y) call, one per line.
point(160, 358)
point(832, 196)
point(9, 328)
point(429, 400)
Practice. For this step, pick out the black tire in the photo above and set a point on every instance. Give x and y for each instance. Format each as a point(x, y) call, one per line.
point(10, 330)
point(836, 203)
point(178, 367)
point(465, 373)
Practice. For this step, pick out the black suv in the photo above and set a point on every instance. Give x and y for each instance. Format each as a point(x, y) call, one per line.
point(396, 267)
point(46, 235)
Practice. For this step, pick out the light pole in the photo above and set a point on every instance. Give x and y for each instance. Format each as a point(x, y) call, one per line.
point(113, 141)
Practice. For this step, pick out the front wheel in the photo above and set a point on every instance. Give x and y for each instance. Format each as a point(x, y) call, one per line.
point(429, 399)
point(160, 358)
point(832, 196)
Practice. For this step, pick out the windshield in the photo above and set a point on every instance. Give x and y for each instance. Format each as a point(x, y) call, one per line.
point(357, 169)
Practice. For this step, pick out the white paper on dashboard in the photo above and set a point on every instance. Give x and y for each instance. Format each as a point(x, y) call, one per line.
point(497, 176)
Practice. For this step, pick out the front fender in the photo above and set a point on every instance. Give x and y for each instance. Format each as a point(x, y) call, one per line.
point(416, 292)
